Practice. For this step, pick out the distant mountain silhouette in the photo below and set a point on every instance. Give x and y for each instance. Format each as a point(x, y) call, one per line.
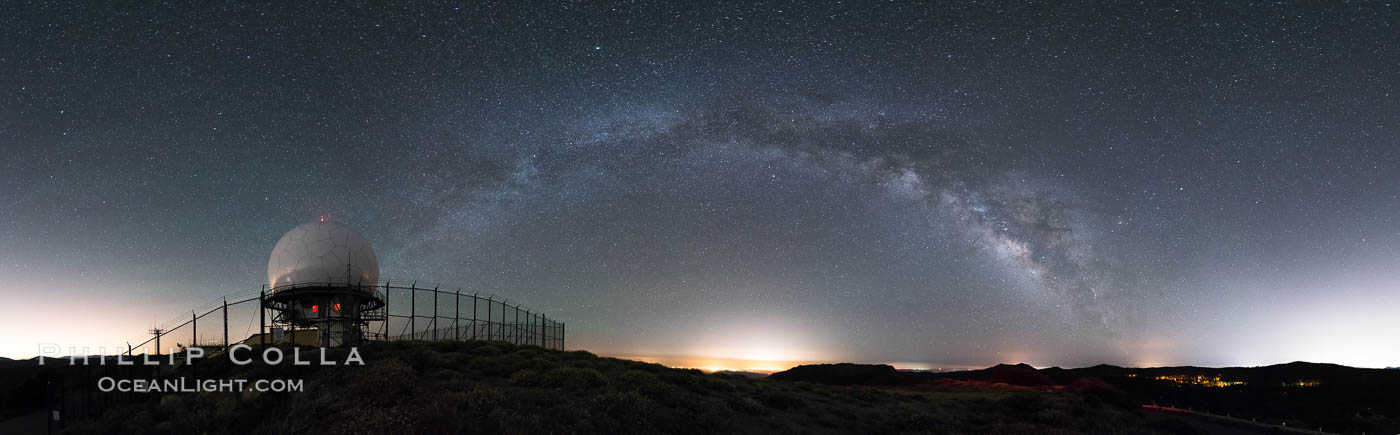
point(1024, 374)
point(746, 374)
point(1019, 374)
point(844, 374)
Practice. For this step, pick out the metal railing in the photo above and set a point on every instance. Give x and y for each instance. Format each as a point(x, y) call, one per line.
point(410, 312)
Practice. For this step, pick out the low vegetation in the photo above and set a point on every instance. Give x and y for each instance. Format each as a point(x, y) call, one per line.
point(449, 387)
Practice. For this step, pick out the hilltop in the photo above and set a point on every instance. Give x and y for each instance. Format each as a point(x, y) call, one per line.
point(1301, 394)
point(449, 387)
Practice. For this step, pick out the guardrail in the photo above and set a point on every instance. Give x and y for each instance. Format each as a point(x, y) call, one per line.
point(1236, 420)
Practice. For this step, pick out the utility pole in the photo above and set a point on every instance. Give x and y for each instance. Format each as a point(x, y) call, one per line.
point(194, 341)
point(435, 316)
point(157, 332)
point(262, 317)
point(413, 311)
point(503, 320)
point(457, 317)
point(387, 314)
point(528, 329)
point(225, 325)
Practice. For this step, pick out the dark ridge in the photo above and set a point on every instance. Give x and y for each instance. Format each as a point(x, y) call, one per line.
point(1019, 374)
point(7, 362)
point(843, 374)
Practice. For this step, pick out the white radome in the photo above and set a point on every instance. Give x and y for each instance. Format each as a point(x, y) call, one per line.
point(322, 252)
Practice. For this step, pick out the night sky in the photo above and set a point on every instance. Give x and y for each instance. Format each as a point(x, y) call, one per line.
point(1056, 184)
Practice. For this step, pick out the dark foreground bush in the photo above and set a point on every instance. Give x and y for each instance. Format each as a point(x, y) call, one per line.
point(573, 378)
point(1098, 390)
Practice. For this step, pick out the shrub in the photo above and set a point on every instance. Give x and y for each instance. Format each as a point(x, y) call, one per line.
point(501, 365)
point(573, 378)
point(710, 414)
point(444, 375)
point(484, 398)
point(1102, 391)
point(780, 400)
point(625, 411)
point(487, 350)
point(1022, 405)
point(747, 405)
point(421, 358)
point(386, 382)
point(373, 420)
point(526, 378)
point(582, 354)
point(715, 383)
point(648, 385)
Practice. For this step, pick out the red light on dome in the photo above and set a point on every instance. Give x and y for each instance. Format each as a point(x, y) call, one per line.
point(337, 307)
point(315, 308)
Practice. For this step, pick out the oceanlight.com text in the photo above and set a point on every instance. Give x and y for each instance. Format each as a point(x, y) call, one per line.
point(182, 385)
